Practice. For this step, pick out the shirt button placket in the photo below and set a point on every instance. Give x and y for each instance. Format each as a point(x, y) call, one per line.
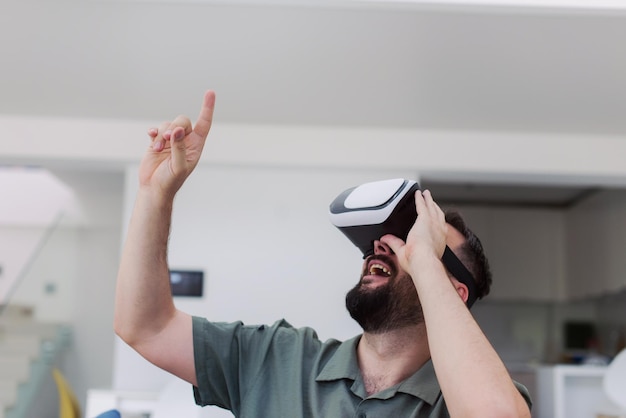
point(360, 413)
point(360, 410)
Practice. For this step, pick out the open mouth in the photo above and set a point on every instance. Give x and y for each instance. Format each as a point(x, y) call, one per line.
point(376, 272)
point(377, 269)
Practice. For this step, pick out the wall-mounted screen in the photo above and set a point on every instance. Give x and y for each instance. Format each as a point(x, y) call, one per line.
point(187, 282)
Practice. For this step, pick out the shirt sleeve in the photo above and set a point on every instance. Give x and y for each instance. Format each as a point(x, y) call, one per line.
point(525, 394)
point(227, 357)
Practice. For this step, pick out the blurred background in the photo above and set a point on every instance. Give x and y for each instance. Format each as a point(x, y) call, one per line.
point(511, 111)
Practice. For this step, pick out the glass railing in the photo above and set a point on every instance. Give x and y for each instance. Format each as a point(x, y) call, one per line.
point(34, 317)
point(28, 249)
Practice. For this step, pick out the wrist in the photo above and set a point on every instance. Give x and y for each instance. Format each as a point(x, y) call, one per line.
point(155, 197)
point(426, 264)
point(424, 255)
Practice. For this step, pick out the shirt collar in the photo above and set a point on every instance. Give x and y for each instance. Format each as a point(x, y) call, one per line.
point(343, 364)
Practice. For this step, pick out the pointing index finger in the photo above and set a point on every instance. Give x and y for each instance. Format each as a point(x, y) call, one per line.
point(205, 118)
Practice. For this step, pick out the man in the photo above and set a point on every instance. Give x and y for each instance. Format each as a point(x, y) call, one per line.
point(417, 357)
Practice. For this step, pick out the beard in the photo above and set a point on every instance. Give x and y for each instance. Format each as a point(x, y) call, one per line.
point(387, 307)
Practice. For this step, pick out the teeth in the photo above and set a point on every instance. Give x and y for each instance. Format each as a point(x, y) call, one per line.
point(377, 268)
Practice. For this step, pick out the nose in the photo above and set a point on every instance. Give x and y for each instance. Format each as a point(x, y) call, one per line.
point(381, 248)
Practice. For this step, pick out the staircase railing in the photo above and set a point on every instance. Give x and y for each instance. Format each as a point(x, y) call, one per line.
point(40, 369)
point(30, 347)
point(32, 258)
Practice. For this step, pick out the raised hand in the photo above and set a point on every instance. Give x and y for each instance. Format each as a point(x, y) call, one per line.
point(427, 237)
point(175, 150)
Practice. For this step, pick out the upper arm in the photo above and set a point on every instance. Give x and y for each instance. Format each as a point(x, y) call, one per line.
point(171, 349)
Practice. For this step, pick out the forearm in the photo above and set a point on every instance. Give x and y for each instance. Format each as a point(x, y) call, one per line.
point(143, 302)
point(473, 378)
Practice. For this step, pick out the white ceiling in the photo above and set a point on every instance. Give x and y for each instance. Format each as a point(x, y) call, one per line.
point(560, 67)
point(387, 64)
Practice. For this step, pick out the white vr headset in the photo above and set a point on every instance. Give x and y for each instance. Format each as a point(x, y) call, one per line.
point(367, 212)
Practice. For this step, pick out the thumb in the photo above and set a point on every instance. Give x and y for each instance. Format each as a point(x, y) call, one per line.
point(179, 154)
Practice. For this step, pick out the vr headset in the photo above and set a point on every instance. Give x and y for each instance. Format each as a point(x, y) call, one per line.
point(367, 212)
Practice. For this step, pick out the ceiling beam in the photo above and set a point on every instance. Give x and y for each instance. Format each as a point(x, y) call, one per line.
point(486, 157)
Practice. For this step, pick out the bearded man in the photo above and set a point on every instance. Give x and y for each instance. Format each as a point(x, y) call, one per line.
point(421, 353)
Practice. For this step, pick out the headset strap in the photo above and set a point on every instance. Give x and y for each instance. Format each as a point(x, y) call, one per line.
point(461, 273)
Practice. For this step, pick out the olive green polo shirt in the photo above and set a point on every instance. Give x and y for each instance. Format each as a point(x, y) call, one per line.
point(280, 371)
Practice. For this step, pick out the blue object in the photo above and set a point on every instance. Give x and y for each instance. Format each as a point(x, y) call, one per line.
point(113, 413)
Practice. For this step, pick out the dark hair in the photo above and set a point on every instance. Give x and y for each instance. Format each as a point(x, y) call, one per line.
point(472, 254)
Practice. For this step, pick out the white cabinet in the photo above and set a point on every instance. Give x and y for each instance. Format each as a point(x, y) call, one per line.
point(567, 391)
point(525, 248)
point(544, 254)
point(595, 243)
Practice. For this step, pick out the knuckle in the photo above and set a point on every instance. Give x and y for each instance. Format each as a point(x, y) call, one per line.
point(182, 120)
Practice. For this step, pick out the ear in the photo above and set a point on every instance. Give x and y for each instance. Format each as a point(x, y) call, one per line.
point(461, 289)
